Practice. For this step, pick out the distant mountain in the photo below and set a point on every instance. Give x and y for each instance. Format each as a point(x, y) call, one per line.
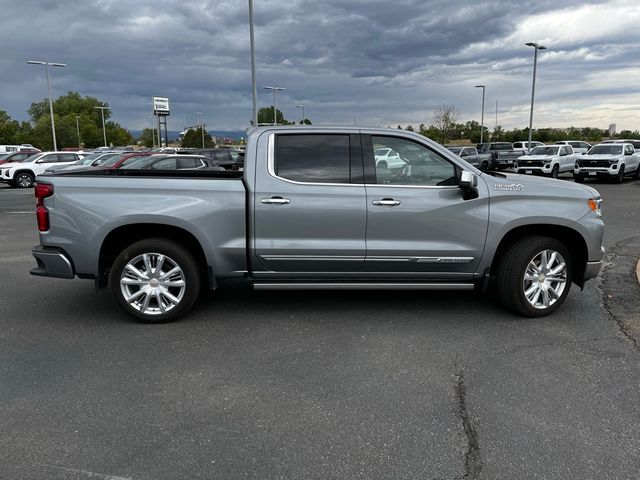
point(175, 134)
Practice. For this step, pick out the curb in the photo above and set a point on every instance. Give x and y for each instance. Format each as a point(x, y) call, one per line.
point(638, 271)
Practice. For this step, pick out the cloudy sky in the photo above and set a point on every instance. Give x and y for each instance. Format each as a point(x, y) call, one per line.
point(381, 62)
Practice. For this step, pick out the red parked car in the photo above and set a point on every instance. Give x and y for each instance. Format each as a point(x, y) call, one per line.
point(18, 156)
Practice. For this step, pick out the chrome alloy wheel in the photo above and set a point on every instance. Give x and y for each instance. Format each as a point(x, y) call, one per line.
point(152, 283)
point(545, 279)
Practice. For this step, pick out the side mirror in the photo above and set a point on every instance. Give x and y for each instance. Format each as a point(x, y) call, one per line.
point(468, 184)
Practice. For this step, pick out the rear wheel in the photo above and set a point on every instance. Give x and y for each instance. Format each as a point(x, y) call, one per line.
point(636, 174)
point(156, 280)
point(534, 276)
point(24, 180)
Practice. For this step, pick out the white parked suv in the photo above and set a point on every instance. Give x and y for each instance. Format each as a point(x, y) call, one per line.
point(608, 160)
point(549, 160)
point(525, 145)
point(23, 174)
point(579, 147)
point(388, 158)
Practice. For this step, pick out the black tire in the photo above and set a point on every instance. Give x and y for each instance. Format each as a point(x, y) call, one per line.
point(382, 164)
point(636, 174)
point(578, 179)
point(175, 254)
point(484, 166)
point(511, 270)
point(24, 180)
point(555, 171)
point(619, 178)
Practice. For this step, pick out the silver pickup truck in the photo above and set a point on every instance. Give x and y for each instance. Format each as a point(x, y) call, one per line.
point(313, 210)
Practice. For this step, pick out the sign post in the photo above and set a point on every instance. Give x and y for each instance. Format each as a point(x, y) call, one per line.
point(161, 109)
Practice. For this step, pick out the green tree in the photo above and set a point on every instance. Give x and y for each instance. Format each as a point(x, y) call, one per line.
point(193, 139)
point(265, 115)
point(146, 138)
point(9, 129)
point(65, 109)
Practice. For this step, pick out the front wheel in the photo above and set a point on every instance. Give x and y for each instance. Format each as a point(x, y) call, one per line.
point(555, 171)
point(156, 280)
point(619, 178)
point(484, 166)
point(534, 276)
point(24, 180)
point(578, 179)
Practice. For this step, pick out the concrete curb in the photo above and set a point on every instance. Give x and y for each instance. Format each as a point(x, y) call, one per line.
point(638, 271)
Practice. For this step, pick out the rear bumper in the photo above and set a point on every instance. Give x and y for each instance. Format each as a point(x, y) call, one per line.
point(52, 262)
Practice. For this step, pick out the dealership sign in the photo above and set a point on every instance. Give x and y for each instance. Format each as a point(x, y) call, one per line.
point(161, 105)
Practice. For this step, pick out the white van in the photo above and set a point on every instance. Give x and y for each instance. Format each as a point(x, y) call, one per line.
point(10, 148)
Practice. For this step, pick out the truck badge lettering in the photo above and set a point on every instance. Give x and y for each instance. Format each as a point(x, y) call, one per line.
point(509, 187)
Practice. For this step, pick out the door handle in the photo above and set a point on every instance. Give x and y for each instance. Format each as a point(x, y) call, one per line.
point(275, 200)
point(386, 202)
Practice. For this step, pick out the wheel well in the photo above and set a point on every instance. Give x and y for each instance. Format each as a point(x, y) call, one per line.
point(571, 239)
point(121, 237)
point(18, 172)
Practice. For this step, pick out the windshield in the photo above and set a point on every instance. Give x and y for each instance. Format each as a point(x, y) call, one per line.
point(606, 150)
point(544, 151)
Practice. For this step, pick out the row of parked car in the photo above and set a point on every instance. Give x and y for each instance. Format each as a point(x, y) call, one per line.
point(20, 169)
point(612, 159)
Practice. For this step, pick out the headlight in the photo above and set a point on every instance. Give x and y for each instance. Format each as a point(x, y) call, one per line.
point(594, 205)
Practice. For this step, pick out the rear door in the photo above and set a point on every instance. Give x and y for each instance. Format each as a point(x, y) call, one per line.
point(418, 224)
point(309, 204)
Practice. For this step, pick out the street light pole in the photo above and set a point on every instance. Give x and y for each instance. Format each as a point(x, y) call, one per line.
point(78, 129)
point(274, 89)
point(46, 67)
point(254, 90)
point(104, 131)
point(536, 47)
point(201, 126)
point(302, 107)
point(482, 116)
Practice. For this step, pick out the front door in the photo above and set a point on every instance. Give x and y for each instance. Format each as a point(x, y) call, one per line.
point(418, 224)
point(309, 205)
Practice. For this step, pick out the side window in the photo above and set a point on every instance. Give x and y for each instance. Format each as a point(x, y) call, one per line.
point(187, 163)
point(67, 157)
point(313, 158)
point(53, 158)
point(418, 165)
point(164, 164)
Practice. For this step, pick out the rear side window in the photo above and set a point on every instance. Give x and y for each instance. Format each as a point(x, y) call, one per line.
point(312, 158)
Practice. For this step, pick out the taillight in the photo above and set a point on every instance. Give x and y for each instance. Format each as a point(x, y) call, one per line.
point(42, 191)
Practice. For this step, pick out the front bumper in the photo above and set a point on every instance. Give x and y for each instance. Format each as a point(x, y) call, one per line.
point(52, 262)
point(600, 172)
point(592, 269)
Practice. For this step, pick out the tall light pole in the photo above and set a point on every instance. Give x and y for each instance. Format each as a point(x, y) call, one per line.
point(482, 116)
point(254, 90)
point(104, 131)
point(536, 47)
point(78, 129)
point(201, 126)
point(274, 90)
point(46, 67)
point(302, 107)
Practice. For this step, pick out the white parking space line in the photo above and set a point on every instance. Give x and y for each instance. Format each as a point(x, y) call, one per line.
point(19, 211)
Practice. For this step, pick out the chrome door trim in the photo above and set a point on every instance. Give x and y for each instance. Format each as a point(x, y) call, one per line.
point(391, 258)
point(304, 258)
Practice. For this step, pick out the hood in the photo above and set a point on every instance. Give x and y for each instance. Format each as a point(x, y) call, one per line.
point(12, 164)
point(600, 156)
point(537, 157)
point(533, 185)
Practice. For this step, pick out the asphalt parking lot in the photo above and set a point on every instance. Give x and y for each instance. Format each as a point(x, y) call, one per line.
point(325, 385)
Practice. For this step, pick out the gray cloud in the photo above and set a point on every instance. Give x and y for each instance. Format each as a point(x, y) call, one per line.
point(382, 62)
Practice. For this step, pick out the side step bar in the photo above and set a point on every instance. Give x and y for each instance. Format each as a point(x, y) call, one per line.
point(363, 286)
